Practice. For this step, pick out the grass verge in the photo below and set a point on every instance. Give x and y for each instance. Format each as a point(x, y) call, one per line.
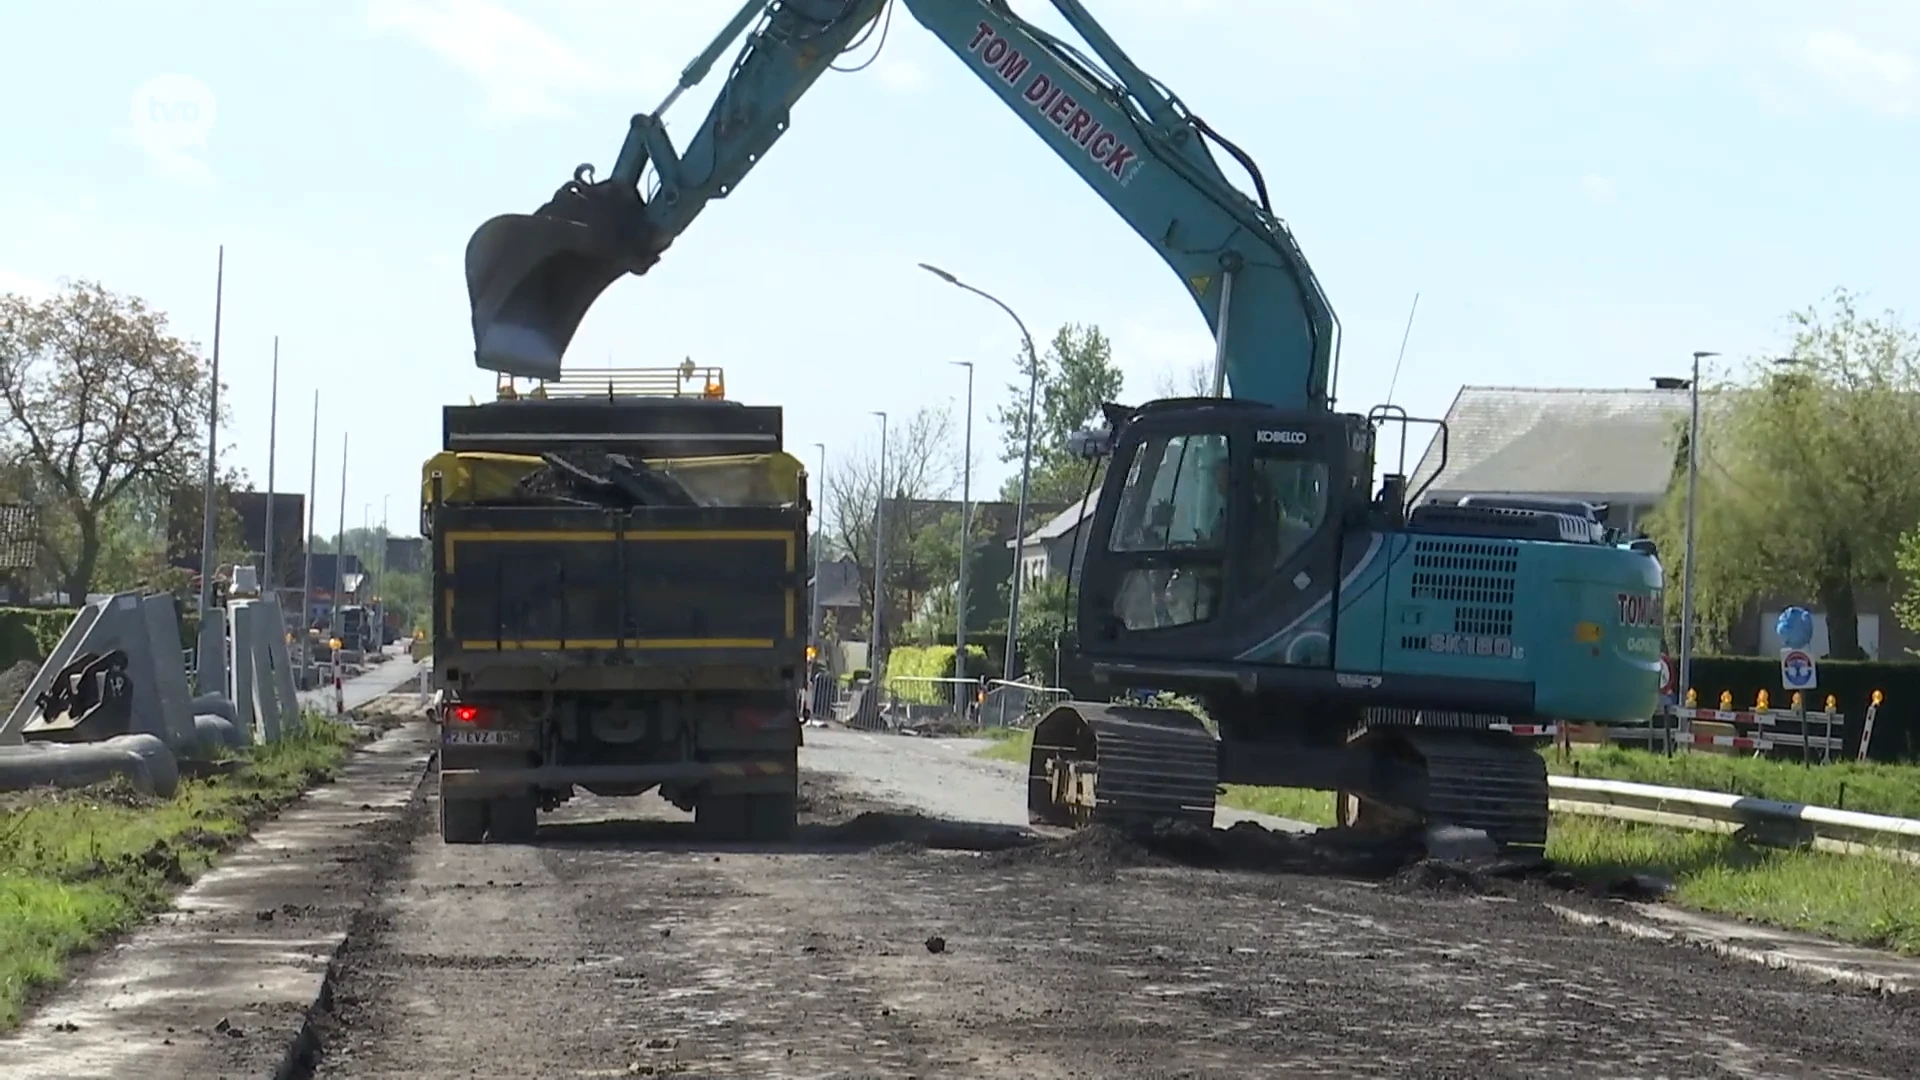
point(1858, 899)
point(76, 866)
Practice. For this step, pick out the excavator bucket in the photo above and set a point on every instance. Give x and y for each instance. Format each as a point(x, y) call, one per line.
point(532, 277)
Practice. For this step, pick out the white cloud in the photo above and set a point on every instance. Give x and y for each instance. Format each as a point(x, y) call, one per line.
point(1598, 188)
point(22, 285)
point(1882, 80)
point(524, 70)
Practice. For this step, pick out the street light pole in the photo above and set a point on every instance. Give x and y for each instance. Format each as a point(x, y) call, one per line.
point(819, 548)
point(966, 534)
point(1685, 673)
point(1026, 466)
point(879, 554)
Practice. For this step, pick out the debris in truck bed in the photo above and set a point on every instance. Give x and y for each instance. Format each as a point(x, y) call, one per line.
point(614, 480)
point(596, 478)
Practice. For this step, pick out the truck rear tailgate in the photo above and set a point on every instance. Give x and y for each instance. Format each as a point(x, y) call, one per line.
point(537, 578)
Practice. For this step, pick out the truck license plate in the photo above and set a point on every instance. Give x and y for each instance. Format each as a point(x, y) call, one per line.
point(468, 737)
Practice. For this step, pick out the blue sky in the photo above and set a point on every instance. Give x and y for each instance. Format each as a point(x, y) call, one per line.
point(1583, 193)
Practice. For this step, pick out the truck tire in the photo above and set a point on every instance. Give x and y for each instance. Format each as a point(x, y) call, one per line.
point(462, 821)
point(723, 819)
point(514, 819)
point(770, 818)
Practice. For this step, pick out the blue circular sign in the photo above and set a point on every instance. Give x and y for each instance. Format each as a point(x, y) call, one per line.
point(1795, 627)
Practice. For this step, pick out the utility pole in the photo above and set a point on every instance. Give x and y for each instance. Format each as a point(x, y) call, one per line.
point(819, 549)
point(210, 496)
point(270, 587)
point(1685, 681)
point(1026, 465)
point(339, 549)
point(306, 542)
point(960, 689)
point(879, 554)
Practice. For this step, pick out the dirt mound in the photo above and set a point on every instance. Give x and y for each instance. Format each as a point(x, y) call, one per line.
point(888, 831)
point(1245, 846)
point(939, 727)
point(1097, 850)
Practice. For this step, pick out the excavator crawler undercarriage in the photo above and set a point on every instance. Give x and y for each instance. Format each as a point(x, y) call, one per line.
point(1130, 766)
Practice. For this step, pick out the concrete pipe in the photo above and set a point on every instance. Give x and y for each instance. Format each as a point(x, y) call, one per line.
point(216, 704)
point(216, 733)
point(143, 760)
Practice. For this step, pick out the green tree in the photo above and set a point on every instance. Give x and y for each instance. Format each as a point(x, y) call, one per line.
point(1043, 621)
point(1809, 474)
point(1077, 375)
point(96, 397)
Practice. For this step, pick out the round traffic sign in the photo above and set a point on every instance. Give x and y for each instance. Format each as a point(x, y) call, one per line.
point(1796, 669)
point(1667, 680)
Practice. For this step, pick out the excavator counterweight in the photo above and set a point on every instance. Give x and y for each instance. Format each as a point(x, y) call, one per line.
point(532, 277)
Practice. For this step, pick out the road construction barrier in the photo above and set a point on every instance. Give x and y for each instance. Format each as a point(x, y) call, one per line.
point(119, 672)
point(1766, 821)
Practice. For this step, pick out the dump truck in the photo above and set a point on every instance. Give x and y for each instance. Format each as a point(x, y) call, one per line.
point(619, 566)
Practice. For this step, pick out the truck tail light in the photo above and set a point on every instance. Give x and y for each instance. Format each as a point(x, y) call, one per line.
point(761, 719)
point(465, 714)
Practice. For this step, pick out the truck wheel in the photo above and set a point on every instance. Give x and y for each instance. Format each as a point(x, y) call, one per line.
point(771, 817)
point(514, 819)
point(462, 821)
point(723, 818)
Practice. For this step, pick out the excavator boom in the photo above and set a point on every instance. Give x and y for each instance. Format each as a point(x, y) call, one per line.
point(532, 278)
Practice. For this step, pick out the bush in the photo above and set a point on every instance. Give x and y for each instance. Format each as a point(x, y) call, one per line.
point(916, 662)
point(1896, 727)
point(30, 633)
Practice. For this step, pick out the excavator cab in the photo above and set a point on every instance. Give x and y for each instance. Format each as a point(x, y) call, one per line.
point(532, 277)
point(1217, 538)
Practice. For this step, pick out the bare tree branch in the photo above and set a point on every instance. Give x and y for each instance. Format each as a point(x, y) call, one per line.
point(923, 463)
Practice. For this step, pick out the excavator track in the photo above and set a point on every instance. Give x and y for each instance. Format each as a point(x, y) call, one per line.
point(1483, 780)
point(1121, 765)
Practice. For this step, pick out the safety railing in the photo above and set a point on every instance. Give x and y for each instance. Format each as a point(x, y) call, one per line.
point(684, 380)
point(1765, 821)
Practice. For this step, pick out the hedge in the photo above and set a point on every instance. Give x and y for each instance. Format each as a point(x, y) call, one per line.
point(928, 662)
point(30, 633)
point(1896, 727)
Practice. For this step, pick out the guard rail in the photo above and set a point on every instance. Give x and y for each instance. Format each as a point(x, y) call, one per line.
point(1766, 821)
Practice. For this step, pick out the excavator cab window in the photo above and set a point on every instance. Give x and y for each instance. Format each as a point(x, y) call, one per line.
point(1173, 504)
point(1289, 499)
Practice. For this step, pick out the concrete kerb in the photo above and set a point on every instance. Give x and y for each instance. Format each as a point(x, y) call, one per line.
point(1716, 937)
point(160, 1001)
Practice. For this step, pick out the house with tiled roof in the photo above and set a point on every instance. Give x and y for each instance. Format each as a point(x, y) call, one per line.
point(1623, 448)
point(1616, 447)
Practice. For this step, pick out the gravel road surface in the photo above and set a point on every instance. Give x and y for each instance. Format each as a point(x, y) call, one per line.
point(615, 946)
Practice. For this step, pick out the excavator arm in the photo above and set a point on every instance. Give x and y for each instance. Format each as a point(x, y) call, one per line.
point(532, 278)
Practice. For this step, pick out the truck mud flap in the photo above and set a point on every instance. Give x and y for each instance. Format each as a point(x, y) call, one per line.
point(1121, 765)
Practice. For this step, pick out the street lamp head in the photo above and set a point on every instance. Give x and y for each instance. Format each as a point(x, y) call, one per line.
point(1703, 354)
point(968, 364)
point(939, 273)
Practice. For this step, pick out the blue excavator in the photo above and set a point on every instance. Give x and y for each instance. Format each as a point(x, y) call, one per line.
point(1388, 648)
